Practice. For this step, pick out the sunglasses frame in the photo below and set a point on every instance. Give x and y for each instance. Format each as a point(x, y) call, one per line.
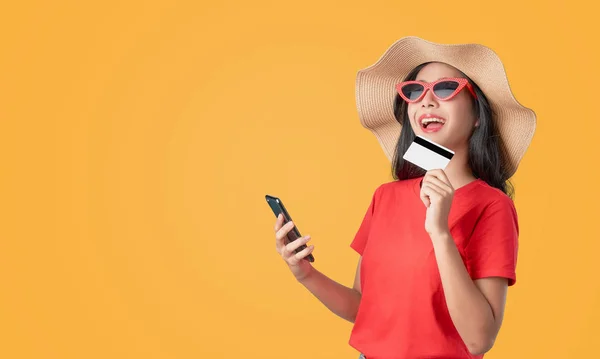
point(462, 83)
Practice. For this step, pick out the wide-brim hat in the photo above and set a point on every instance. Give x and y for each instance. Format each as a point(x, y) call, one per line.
point(375, 92)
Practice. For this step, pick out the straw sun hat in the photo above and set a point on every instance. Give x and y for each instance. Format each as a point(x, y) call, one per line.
point(375, 92)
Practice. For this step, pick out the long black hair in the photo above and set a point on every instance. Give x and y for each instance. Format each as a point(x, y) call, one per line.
point(486, 158)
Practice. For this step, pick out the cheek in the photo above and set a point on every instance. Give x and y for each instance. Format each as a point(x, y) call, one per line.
point(411, 110)
point(464, 112)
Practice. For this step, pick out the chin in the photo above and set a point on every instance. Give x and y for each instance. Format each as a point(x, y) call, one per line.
point(435, 136)
point(442, 136)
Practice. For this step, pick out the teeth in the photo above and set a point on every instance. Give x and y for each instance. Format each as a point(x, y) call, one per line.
point(429, 120)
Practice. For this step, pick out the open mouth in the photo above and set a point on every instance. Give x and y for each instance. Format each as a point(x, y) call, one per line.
point(432, 124)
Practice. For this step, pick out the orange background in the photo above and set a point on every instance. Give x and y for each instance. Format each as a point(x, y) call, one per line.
point(138, 140)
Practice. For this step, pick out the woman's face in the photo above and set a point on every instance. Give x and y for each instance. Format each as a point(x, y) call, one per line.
point(457, 113)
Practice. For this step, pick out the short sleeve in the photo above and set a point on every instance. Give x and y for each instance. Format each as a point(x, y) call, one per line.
point(493, 246)
point(362, 235)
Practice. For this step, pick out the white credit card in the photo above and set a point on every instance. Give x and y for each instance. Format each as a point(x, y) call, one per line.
point(427, 154)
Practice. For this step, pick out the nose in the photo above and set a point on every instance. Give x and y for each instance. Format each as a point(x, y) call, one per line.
point(428, 99)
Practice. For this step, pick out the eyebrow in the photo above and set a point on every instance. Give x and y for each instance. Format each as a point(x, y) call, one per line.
point(445, 77)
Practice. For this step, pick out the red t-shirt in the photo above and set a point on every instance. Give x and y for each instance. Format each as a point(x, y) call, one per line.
point(403, 312)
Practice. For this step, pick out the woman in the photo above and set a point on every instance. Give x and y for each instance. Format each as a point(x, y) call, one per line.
point(438, 249)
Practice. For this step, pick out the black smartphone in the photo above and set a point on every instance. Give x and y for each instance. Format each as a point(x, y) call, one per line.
point(277, 206)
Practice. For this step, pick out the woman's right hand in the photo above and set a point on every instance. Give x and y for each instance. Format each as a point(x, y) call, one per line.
point(298, 265)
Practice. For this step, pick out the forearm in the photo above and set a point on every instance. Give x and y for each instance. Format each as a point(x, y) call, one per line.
point(341, 300)
point(471, 313)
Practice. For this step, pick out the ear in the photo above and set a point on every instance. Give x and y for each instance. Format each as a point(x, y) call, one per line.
point(477, 123)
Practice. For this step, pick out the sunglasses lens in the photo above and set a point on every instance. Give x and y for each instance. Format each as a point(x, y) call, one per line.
point(445, 89)
point(412, 91)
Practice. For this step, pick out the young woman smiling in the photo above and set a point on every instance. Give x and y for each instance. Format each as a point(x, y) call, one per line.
point(438, 249)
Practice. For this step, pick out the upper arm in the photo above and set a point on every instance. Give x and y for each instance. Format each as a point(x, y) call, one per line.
point(356, 285)
point(494, 289)
point(362, 235)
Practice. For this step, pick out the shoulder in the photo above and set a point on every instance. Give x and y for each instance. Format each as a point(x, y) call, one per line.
point(395, 187)
point(393, 192)
point(493, 200)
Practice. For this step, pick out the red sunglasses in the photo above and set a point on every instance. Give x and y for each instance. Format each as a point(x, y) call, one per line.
point(443, 89)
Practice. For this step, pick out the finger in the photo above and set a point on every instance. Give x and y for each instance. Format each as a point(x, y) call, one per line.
point(297, 257)
point(441, 175)
point(431, 190)
point(292, 246)
point(438, 185)
point(279, 222)
point(424, 196)
point(284, 229)
point(282, 233)
point(428, 194)
point(441, 183)
point(445, 177)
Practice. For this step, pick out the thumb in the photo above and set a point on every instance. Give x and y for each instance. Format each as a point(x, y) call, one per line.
point(425, 199)
point(427, 202)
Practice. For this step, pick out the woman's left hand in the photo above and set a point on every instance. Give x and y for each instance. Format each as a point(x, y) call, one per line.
point(437, 194)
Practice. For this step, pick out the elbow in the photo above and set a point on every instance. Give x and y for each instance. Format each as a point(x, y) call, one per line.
point(480, 346)
point(352, 317)
point(354, 310)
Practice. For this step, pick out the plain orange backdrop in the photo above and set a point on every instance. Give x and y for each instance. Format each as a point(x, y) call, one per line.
point(139, 138)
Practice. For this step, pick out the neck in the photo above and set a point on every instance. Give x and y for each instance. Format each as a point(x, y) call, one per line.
point(458, 170)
